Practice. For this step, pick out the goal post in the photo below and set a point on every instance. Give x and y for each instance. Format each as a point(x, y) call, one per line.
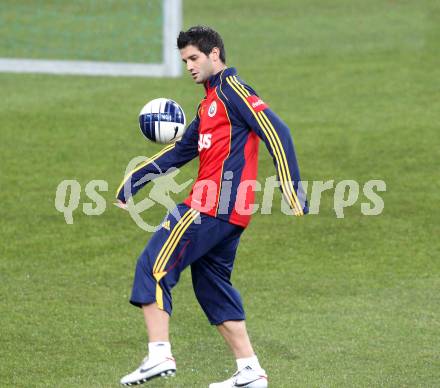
point(169, 66)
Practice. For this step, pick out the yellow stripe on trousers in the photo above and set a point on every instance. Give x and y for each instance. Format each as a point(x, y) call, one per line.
point(167, 250)
point(171, 238)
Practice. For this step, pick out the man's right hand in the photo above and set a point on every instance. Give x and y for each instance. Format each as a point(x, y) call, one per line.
point(121, 204)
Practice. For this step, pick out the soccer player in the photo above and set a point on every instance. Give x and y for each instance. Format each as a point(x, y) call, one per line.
point(225, 133)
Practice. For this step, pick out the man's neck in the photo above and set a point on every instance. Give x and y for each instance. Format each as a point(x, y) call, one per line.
point(214, 75)
point(219, 69)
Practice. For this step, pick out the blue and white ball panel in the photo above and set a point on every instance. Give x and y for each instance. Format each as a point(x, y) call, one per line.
point(162, 120)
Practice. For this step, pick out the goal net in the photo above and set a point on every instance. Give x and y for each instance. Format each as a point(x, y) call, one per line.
point(91, 37)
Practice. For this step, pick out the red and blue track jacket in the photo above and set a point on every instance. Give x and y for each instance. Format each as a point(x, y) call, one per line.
point(225, 133)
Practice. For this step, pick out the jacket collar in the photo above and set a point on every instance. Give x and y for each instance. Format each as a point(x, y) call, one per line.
point(216, 79)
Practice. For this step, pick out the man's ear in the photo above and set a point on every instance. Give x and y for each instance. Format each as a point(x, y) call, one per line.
point(215, 54)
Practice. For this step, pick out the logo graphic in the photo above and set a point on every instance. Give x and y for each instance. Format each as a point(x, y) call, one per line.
point(163, 184)
point(256, 103)
point(212, 109)
point(148, 369)
point(346, 193)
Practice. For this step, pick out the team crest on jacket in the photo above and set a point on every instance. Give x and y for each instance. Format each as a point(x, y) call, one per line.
point(256, 103)
point(212, 109)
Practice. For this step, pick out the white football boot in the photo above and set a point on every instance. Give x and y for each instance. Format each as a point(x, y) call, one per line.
point(149, 369)
point(247, 377)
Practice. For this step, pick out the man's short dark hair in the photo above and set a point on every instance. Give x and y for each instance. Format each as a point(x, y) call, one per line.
point(204, 38)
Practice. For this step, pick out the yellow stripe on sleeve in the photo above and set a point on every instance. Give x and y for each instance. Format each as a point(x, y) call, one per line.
point(236, 86)
point(293, 197)
point(289, 189)
point(143, 164)
point(275, 143)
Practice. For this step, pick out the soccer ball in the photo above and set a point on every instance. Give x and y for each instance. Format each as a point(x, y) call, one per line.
point(162, 120)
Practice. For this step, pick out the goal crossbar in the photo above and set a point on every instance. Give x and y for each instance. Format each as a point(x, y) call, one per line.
point(170, 66)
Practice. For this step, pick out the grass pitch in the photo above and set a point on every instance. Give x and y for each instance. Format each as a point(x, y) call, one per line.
point(350, 302)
